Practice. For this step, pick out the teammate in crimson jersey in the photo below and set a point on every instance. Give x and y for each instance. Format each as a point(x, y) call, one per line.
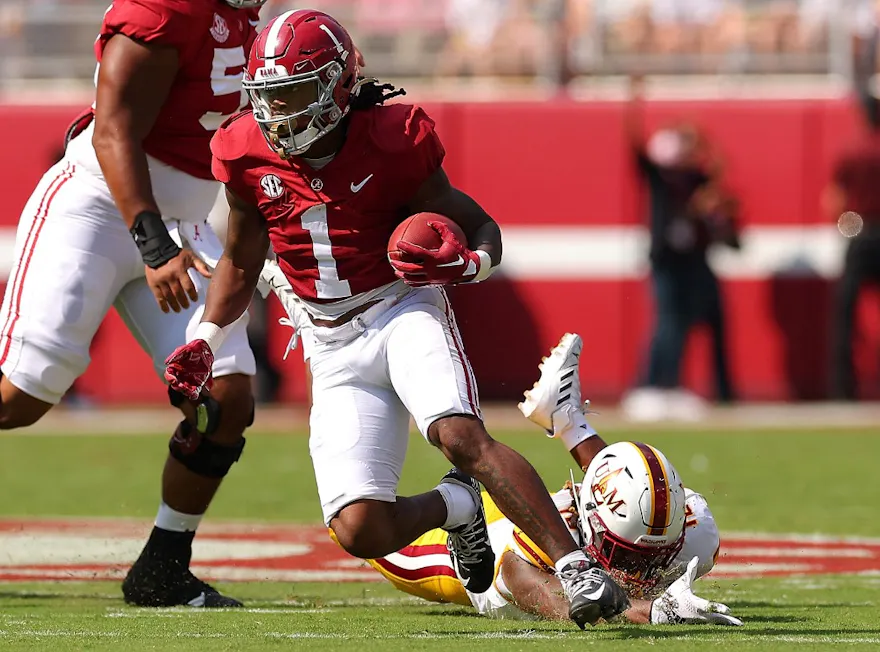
point(323, 170)
point(120, 221)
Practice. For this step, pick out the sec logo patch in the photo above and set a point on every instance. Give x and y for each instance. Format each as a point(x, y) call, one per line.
point(272, 186)
point(220, 30)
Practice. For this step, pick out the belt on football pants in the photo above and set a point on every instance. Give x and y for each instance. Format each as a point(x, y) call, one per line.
point(352, 323)
point(345, 317)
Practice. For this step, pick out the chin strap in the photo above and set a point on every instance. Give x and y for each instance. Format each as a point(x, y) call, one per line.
point(578, 507)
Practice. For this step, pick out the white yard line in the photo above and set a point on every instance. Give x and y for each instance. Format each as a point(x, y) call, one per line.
point(528, 635)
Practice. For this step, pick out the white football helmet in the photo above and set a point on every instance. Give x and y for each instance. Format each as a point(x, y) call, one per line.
point(631, 511)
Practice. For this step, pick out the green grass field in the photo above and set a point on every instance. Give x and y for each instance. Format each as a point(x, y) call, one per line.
point(775, 482)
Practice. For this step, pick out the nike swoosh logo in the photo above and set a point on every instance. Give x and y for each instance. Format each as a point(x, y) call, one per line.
point(357, 187)
point(453, 263)
point(595, 595)
point(300, 65)
point(198, 601)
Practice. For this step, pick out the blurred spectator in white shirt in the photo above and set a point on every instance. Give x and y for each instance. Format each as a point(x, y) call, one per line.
point(472, 27)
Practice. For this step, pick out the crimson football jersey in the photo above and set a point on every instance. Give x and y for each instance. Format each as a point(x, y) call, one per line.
point(330, 227)
point(212, 41)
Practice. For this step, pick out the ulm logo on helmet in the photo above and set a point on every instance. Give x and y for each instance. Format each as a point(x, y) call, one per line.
point(601, 493)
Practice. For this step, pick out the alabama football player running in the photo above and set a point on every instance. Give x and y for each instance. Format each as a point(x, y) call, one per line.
point(120, 222)
point(631, 513)
point(325, 171)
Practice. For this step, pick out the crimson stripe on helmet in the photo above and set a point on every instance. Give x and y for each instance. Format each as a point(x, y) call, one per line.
point(659, 489)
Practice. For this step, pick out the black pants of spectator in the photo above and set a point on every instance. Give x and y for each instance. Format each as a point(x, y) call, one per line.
point(686, 294)
point(861, 265)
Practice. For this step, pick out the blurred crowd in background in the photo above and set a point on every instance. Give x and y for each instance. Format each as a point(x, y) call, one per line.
point(546, 39)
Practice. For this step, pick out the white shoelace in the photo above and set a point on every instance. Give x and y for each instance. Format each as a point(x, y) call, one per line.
point(467, 547)
point(574, 581)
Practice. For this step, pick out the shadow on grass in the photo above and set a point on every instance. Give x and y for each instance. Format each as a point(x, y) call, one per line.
point(48, 595)
point(759, 618)
point(660, 632)
point(738, 606)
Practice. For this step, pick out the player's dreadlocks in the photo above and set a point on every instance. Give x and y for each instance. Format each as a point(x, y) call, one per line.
point(370, 93)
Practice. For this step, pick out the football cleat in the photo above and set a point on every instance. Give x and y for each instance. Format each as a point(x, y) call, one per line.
point(557, 394)
point(154, 582)
point(591, 593)
point(468, 545)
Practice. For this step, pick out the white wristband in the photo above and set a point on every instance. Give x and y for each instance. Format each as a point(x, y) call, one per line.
point(486, 269)
point(571, 426)
point(211, 333)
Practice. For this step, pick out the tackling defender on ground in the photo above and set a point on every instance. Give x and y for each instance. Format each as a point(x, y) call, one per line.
point(631, 514)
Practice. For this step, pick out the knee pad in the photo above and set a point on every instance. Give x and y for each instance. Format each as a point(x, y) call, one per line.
point(200, 455)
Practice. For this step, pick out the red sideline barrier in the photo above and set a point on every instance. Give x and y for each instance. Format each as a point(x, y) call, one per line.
point(565, 163)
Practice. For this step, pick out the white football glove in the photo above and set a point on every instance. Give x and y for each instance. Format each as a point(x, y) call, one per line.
point(272, 279)
point(678, 604)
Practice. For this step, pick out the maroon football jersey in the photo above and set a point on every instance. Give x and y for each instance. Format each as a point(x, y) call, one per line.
point(212, 41)
point(330, 227)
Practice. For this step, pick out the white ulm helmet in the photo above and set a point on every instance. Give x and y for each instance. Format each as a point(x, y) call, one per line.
point(632, 512)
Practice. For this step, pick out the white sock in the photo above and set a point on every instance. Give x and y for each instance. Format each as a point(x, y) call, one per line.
point(570, 558)
point(461, 508)
point(572, 427)
point(170, 519)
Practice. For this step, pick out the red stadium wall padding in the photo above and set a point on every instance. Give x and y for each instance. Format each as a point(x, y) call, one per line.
point(561, 162)
point(566, 163)
point(555, 163)
point(32, 137)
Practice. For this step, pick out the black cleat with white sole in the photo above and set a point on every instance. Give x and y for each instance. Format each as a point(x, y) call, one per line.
point(591, 593)
point(155, 582)
point(469, 545)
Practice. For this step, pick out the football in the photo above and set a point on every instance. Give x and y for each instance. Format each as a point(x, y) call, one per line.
point(415, 231)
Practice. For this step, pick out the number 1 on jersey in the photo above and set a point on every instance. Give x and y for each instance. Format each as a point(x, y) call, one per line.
point(328, 285)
